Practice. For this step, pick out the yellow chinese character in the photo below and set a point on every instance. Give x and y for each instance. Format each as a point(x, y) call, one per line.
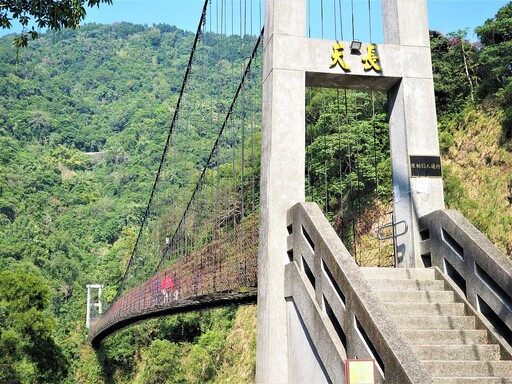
point(337, 57)
point(371, 61)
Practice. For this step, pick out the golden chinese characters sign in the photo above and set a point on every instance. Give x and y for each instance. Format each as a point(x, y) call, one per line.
point(337, 57)
point(370, 61)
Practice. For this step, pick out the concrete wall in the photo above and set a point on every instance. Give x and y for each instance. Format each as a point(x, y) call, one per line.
point(482, 272)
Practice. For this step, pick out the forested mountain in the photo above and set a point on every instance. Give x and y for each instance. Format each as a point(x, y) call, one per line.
point(83, 118)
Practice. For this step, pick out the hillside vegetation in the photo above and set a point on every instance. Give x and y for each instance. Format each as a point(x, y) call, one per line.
point(83, 117)
point(478, 173)
point(83, 120)
point(473, 84)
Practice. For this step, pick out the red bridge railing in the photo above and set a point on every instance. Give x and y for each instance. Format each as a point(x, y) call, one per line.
point(222, 271)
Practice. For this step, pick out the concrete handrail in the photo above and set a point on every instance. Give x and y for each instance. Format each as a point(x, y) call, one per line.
point(478, 267)
point(343, 316)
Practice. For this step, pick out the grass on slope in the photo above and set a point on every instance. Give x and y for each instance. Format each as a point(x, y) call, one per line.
point(478, 172)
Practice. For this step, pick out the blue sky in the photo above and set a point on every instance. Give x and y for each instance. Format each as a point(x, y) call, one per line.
point(444, 15)
point(450, 15)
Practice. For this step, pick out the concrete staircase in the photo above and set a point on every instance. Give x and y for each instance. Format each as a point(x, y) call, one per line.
point(438, 329)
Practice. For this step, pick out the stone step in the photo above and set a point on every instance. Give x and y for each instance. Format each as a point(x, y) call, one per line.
point(406, 285)
point(458, 352)
point(472, 380)
point(425, 309)
point(436, 327)
point(375, 273)
point(435, 322)
point(417, 296)
point(446, 337)
point(483, 369)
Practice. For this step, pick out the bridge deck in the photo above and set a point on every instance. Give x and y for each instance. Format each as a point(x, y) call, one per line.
point(104, 328)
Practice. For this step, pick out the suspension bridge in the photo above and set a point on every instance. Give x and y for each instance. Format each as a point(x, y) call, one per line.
point(275, 187)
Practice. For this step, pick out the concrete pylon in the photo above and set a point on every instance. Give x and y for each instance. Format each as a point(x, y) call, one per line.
point(292, 62)
point(282, 177)
point(412, 123)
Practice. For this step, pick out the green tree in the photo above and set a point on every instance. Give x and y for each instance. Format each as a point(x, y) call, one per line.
point(454, 66)
point(163, 363)
point(51, 14)
point(28, 352)
point(496, 56)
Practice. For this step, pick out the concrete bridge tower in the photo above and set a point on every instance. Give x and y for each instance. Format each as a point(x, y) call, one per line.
point(293, 62)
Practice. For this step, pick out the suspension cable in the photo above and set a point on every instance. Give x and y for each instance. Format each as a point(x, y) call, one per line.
point(341, 19)
point(166, 147)
point(370, 19)
point(309, 141)
point(376, 168)
point(358, 169)
point(309, 18)
point(353, 22)
point(326, 182)
point(217, 142)
point(322, 16)
point(334, 17)
point(340, 149)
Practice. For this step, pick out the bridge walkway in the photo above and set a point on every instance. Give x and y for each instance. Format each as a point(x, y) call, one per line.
point(217, 274)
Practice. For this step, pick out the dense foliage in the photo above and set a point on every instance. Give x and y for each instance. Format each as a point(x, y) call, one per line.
point(83, 120)
point(495, 57)
point(473, 84)
point(348, 165)
point(50, 14)
point(28, 351)
point(83, 116)
point(471, 72)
